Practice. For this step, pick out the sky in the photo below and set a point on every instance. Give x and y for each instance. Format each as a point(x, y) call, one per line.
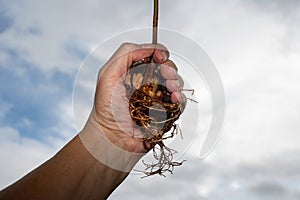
point(255, 48)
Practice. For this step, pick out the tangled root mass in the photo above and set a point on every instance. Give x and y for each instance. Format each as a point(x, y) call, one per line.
point(152, 110)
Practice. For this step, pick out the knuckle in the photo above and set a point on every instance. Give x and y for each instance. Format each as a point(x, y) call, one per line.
point(127, 46)
point(171, 64)
point(160, 46)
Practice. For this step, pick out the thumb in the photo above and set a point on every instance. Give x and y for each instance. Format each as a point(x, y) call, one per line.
point(124, 57)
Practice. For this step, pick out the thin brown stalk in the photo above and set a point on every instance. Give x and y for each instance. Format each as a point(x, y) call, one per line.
point(155, 22)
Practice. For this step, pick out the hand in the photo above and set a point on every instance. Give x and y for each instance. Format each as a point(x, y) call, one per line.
point(74, 172)
point(111, 104)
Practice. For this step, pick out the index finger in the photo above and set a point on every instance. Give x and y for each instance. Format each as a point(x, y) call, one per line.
point(161, 53)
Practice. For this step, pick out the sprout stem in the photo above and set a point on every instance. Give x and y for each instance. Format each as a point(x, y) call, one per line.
point(155, 22)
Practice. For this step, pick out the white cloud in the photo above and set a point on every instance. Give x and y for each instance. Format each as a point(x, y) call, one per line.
point(65, 128)
point(261, 81)
point(41, 31)
point(255, 49)
point(19, 155)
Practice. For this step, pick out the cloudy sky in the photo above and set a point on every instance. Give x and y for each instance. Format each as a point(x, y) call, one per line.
point(254, 45)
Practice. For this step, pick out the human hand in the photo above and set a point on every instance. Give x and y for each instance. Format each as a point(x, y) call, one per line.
point(111, 105)
point(74, 172)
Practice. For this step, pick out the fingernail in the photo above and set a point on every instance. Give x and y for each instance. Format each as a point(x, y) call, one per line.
point(164, 56)
point(173, 85)
point(173, 71)
point(176, 97)
point(178, 83)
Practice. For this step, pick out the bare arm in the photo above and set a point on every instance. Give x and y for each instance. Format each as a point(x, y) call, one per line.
point(71, 174)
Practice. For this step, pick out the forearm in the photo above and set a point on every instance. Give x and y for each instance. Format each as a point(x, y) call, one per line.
point(71, 174)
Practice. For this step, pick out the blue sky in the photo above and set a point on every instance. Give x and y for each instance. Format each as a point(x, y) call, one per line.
point(254, 45)
point(32, 95)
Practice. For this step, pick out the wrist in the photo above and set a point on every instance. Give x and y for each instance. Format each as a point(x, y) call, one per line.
point(107, 147)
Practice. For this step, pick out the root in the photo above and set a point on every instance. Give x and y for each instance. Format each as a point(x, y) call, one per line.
point(154, 113)
point(162, 154)
point(164, 157)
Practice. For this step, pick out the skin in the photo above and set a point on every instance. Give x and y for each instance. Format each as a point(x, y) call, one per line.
point(73, 173)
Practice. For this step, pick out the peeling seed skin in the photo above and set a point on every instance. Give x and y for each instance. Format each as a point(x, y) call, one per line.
point(128, 79)
point(137, 80)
